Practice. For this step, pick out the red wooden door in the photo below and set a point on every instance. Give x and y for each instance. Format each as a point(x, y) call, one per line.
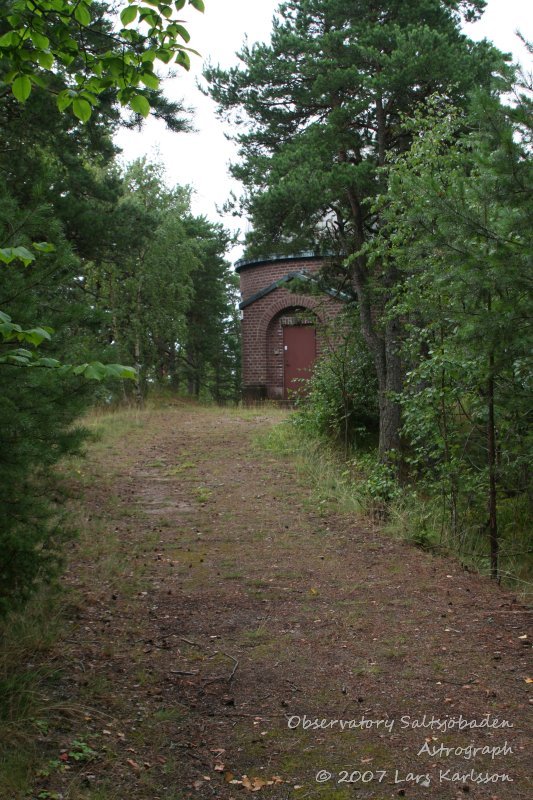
point(299, 351)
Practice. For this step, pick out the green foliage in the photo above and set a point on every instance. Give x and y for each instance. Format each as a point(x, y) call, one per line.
point(323, 103)
point(212, 345)
point(81, 751)
point(462, 248)
point(325, 98)
point(76, 41)
point(340, 403)
point(21, 357)
point(378, 481)
point(41, 398)
point(165, 290)
point(34, 436)
point(49, 184)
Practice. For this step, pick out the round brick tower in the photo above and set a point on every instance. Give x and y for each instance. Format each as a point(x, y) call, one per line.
point(282, 330)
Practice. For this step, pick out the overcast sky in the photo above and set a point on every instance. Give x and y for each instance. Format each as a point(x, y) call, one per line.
point(201, 159)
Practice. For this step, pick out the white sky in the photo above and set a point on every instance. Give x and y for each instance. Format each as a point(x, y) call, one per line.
point(201, 159)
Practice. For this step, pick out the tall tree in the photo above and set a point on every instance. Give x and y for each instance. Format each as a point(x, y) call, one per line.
point(462, 247)
point(38, 407)
point(320, 109)
point(143, 280)
point(163, 284)
point(211, 348)
point(57, 188)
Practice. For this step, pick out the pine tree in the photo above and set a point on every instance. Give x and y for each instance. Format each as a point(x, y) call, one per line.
point(323, 104)
point(462, 247)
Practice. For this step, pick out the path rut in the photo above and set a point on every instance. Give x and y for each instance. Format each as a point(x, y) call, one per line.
point(231, 635)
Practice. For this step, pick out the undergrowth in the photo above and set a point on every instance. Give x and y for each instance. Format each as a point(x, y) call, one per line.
point(29, 674)
point(27, 679)
point(319, 464)
point(360, 483)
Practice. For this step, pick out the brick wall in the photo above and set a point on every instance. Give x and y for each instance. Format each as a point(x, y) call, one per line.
point(254, 277)
point(262, 322)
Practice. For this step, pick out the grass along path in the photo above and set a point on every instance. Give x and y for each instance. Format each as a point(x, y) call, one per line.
point(215, 608)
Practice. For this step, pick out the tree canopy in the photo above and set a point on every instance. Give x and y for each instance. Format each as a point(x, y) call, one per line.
point(76, 51)
point(98, 264)
point(454, 223)
point(319, 109)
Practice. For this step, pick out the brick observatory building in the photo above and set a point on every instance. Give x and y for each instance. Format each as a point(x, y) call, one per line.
point(283, 331)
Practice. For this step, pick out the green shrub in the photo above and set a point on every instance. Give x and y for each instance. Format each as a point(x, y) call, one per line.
point(341, 399)
point(37, 409)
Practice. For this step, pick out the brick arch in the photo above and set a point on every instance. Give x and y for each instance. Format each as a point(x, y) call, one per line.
point(275, 308)
point(273, 338)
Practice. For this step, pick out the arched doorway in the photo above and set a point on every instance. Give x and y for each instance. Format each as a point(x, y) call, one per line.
point(291, 345)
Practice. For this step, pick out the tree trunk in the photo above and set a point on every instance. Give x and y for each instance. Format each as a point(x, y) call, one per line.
point(173, 369)
point(385, 350)
point(139, 387)
point(491, 456)
point(390, 410)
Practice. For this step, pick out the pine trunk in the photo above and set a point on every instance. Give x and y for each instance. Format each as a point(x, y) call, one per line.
point(491, 456)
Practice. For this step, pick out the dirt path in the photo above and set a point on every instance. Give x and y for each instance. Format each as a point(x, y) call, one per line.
point(221, 613)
